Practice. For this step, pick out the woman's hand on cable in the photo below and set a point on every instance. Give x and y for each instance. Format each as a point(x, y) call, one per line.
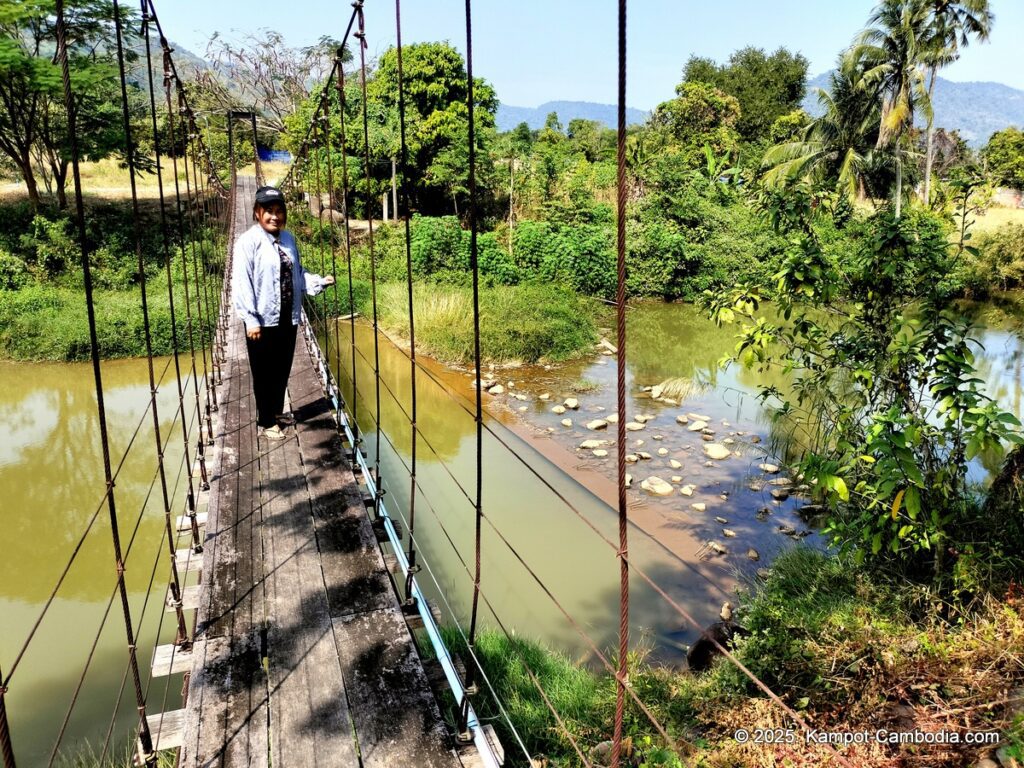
point(329, 280)
point(254, 333)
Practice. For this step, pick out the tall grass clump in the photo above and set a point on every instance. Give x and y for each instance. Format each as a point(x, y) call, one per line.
point(46, 322)
point(524, 323)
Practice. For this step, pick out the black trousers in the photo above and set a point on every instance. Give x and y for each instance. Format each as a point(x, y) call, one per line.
point(270, 360)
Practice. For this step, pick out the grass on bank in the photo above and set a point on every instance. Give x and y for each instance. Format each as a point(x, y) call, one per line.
point(518, 323)
point(843, 648)
point(47, 322)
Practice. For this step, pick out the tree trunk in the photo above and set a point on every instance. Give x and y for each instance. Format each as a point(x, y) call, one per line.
point(928, 145)
point(384, 205)
point(899, 185)
point(25, 166)
point(394, 190)
point(511, 203)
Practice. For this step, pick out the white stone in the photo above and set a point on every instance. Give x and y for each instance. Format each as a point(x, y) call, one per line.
point(497, 389)
point(656, 486)
point(687, 490)
point(716, 451)
point(675, 464)
point(523, 408)
point(681, 419)
point(571, 402)
point(612, 418)
point(559, 409)
point(728, 532)
point(698, 417)
point(591, 444)
point(638, 443)
point(600, 453)
point(753, 554)
point(700, 506)
point(634, 426)
point(629, 480)
point(597, 424)
point(632, 458)
point(643, 455)
point(721, 520)
point(566, 422)
point(656, 391)
point(663, 451)
point(697, 426)
point(676, 478)
point(771, 469)
point(545, 396)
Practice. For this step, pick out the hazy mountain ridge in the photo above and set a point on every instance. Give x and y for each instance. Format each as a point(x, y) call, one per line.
point(976, 109)
point(510, 116)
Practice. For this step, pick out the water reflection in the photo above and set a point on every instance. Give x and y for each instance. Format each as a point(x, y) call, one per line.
point(51, 478)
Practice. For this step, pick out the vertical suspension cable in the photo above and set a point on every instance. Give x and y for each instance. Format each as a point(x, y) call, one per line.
point(208, 325)
point(360, 35)
point(478, 504)
point(6, 745)
point(620, 304)
point(175, 580)
point(340, 86)
point(413, 568)
point(192, 229)
point(145, 738)
point(330, 200)
point(148, 15)
point(194, 375)
point(256, 150)
point(317, 118)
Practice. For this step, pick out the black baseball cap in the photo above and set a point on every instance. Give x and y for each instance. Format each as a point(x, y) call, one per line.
point(268, 195)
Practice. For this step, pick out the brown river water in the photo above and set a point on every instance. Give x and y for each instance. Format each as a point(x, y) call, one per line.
point(547, 503)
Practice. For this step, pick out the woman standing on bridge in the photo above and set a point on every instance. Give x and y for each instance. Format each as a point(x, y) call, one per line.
point(268, 282)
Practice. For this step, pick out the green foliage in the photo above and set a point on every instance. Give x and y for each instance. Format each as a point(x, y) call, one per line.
point(883, 383)
point(765, 87)
point(999, 257)
point(523, 322)
point(1004, 157)
point(13, 272)
point(699, 115)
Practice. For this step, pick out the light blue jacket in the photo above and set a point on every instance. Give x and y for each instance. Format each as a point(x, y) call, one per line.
point(256, 278)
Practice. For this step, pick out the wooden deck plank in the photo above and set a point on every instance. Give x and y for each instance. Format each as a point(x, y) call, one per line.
point(227, 723)
point(354, 570)
point(170, 660)
point(307, 703)
point(397, 721)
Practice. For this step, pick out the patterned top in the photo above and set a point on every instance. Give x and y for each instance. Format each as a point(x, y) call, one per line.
point(287, 286)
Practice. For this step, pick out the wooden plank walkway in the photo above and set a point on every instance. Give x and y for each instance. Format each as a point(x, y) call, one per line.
point(302, 656)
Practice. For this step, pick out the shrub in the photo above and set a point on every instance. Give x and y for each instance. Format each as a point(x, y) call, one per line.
point(13, 272)
point(1000, 256)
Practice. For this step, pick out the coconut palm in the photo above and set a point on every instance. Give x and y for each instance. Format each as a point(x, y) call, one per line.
point(838, 148)
point(952, 25)
point(892, 50)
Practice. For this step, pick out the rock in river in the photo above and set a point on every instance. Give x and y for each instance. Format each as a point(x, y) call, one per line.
point(597, 424)
point(566, 422)
point(634, 426)
point(716, 451)
point(559, 409)
point(589, 445)
point(700, 506)
point(656, 486)
point(697, 426)
point(571, 402)
point(675, 464)
point(771, 469)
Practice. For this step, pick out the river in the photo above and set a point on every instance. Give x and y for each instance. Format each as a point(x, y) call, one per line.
point(547, 504)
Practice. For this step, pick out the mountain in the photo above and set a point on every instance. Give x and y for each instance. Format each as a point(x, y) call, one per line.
point(509, 117)
point(976, 109)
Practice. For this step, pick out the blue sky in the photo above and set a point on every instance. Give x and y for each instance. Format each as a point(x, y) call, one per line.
point(535, 51)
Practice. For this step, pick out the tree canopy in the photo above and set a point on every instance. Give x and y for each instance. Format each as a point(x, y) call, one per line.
point(765, 86)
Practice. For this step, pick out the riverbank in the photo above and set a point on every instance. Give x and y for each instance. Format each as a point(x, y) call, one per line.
point(848, 650)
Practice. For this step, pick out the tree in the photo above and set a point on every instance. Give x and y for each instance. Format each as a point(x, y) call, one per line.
point(700, 114)
point(837, 150)
point(892, 51)
point(1004, 157)
point(881, 385)
point(33, 122)
point(265, 74)
point(953, 23)
point(766, 87)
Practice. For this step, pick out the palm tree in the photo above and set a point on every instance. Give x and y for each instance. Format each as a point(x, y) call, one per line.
point(892, 50)
point(838, 148)
point(952, 24)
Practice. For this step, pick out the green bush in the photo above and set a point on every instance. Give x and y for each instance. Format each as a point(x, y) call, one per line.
point(1000, 257)
point(13, 272)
